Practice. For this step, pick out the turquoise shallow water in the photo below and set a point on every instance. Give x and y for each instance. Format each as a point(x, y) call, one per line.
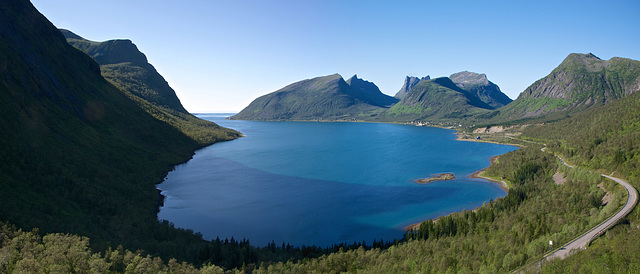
point(311, 183)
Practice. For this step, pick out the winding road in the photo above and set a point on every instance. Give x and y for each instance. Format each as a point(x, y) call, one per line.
point(583, 241)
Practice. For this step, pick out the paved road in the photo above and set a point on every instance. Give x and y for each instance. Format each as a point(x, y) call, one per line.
point(583, 241)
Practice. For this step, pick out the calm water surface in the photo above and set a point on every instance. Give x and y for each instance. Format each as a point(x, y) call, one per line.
point(309, 183)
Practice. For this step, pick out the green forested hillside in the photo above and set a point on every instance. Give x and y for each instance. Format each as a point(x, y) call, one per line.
point(29, 252)
point(127, 68)
point(79, 156)
point(605, 139)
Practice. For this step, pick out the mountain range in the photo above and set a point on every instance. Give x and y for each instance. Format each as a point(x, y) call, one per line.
point(464, 95)
point(580, 82)
point(321, 98)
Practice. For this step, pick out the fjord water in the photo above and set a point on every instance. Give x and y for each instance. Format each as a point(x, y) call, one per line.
point(315, 183)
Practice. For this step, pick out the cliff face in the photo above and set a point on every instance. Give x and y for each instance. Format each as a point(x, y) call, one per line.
point(585, 76)
point(409, 83)
point(478, 85)
point(369, 92)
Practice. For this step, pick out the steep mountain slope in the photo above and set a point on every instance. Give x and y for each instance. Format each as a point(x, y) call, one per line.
point(481, 87)
point(78, 156)
point(122, 58)
point(327, 97)
point(409, 83)
point(370, 93)
point(580, 82)
point(127, 68)
point(437, 100)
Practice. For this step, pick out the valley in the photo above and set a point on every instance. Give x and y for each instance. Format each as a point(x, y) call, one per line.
point(91, 128)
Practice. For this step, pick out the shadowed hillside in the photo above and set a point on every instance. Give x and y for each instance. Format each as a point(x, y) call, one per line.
point(479, 86)
point(79, 156)
point(127, 68)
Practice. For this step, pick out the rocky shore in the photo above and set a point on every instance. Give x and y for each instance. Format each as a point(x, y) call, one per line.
point(437, 177)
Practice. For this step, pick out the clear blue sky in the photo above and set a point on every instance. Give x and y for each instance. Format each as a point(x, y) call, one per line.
point(220, 55)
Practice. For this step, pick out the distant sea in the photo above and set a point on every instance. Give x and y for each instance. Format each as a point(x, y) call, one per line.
point(322, 183)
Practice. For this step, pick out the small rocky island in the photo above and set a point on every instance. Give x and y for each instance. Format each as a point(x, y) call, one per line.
point(437, 177)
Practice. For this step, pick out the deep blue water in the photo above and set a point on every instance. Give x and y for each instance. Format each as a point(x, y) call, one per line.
point(314, 183)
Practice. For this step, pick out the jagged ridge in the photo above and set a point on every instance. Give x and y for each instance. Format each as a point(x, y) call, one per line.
point(458, 98)
point(437, 100)
point(409, 83)
point(327, 97)
point(370, 93)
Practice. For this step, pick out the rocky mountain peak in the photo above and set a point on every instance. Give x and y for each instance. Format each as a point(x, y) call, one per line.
point(580, 82)
point(123, 63)
point(478, 85)
point(356, 82)
point(355, 78)
point(409, 82)
point(118, 51)
point(588, 61)
point(467, 77)
point(107, 52)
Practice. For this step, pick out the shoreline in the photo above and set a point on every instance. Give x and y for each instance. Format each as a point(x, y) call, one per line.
point(501, 184)
point(457, 132)
point(477, 175)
